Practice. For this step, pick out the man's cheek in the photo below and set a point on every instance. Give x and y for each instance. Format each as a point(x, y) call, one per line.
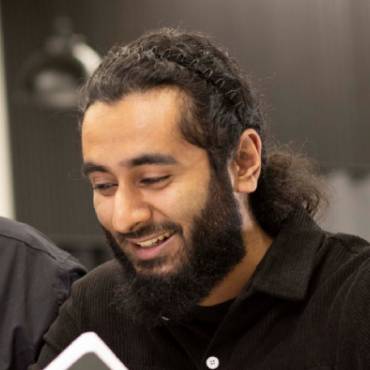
point(103, 213)
point(183, 203)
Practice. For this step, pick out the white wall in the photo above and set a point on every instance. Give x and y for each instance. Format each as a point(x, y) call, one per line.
point(349, 204)
point(6, 188)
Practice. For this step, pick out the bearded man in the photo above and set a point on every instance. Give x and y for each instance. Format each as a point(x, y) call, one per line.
point(218, 262)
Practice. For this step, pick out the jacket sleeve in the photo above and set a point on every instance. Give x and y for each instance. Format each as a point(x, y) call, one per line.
point(67, 327)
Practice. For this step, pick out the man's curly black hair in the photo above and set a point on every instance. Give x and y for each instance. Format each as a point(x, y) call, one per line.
point(220, 106)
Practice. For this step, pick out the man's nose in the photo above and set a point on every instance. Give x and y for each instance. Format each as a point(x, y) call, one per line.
point(130, 210)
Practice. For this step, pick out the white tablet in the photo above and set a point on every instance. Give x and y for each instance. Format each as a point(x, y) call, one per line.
point(87, 352)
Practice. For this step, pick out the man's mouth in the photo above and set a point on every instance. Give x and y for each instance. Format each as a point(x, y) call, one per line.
point(154, 241)
point(152, 246)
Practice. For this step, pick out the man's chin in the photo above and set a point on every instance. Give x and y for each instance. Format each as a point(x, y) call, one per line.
point(158, 267)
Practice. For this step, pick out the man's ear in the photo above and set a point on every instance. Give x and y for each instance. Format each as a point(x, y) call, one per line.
point(246, 164)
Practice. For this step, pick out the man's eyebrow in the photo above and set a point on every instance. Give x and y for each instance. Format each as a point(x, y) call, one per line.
point(144, 159)
point(149, 158)
point(89, 167)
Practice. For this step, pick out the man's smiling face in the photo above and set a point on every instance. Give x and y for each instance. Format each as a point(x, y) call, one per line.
point(148, 181)
point(172, 222)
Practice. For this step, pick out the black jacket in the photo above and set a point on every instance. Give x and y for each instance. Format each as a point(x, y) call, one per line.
point(35, 279)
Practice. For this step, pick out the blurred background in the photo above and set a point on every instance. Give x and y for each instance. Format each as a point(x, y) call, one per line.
point(310, 60)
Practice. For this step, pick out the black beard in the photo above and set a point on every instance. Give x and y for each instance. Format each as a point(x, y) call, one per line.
point(215, 248)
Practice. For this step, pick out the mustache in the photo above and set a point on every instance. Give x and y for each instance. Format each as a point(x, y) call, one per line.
point(150, 229)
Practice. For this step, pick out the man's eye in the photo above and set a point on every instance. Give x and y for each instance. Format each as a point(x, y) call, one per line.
point(103, 187)
point(153, 180)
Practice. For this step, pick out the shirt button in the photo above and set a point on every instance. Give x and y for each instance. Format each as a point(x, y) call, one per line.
point(213, 362)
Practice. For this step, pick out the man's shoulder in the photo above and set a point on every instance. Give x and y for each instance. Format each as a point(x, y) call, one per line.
point(102, 277)
point(345, 266)
point(347, 250)
point(352, 244)
point(35, 278)
point(23, 242)
point(93, 294)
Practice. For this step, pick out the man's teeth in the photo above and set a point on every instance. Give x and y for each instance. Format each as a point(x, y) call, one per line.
point(156, 240)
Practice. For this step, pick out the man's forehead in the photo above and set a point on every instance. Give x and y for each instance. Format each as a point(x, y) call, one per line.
point(164, 102)
point(141, 122)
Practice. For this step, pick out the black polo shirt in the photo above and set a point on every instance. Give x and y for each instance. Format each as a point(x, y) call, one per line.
point(306, 307)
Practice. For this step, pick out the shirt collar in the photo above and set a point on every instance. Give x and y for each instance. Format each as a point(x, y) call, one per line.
point(286, 269)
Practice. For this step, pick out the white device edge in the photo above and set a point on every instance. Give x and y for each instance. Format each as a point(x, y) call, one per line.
point(86, 343)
